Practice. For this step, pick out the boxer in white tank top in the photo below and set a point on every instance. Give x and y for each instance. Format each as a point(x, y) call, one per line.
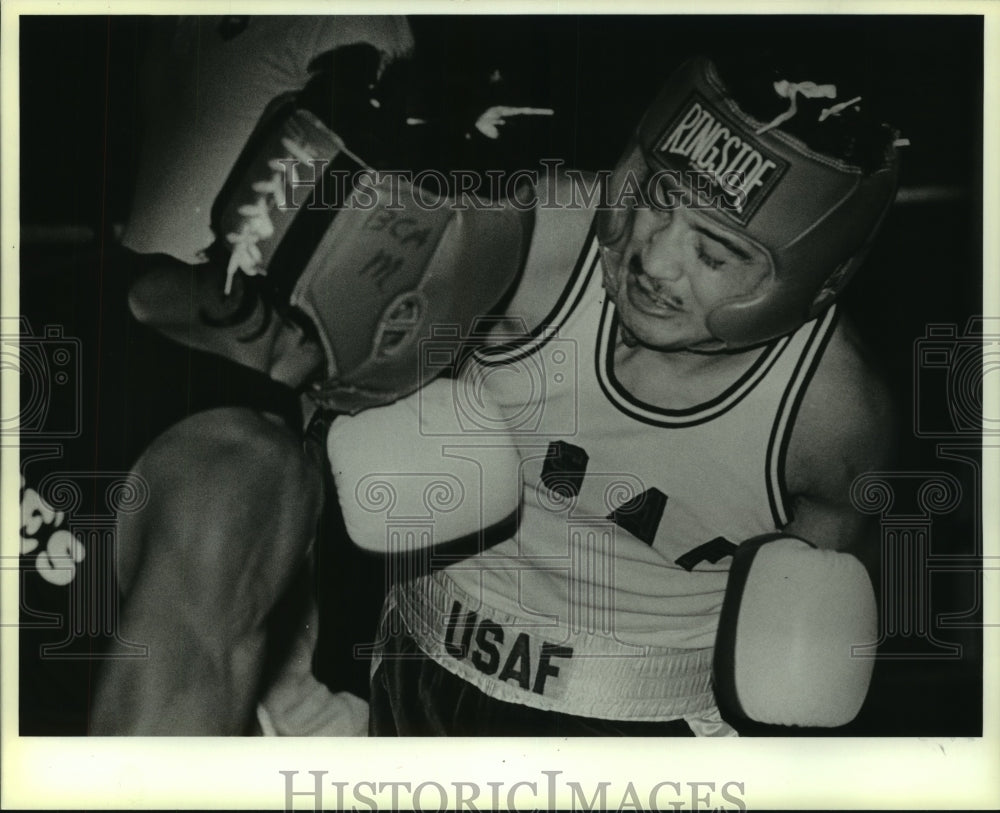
point(618, 556)
point(687, 386)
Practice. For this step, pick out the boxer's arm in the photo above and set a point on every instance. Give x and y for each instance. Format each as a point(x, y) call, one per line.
point(844, 427)
point(233, 505)
point(187, 304)
point(792, 613)
point(561, 226)
point(167, 293)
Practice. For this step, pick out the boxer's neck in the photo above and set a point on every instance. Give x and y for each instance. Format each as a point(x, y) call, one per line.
point(678, 379)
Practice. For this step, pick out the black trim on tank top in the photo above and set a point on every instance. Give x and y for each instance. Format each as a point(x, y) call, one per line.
point(569, 300)
point(806, 366)
point(706, 411)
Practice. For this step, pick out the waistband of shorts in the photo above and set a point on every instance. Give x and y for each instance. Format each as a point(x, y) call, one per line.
point(586, 674)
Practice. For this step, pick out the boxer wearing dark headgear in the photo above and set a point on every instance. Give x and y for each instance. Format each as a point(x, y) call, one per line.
point(697, 389)
point(807, 216)
point(209, 81)
point(296, 293)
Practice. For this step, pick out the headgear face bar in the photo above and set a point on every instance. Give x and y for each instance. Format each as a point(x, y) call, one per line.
point(812, 215)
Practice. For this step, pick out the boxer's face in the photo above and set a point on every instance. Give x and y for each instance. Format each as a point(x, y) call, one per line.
point(677, 267)
point(296, 356)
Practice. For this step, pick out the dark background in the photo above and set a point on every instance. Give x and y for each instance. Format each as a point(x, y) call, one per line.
point(80, 129)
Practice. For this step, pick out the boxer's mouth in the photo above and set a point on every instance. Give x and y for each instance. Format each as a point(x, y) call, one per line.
point(647, 295)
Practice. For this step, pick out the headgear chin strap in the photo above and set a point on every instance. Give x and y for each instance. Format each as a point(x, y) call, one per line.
point(381, 267)
point(814, 216)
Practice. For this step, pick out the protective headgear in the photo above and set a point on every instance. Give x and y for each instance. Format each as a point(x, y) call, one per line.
point(791, 619)
point(812, 215)
point(379, 265)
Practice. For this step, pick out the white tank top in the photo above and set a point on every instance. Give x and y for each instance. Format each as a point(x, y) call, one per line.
point(618, 495)
point(627, 512)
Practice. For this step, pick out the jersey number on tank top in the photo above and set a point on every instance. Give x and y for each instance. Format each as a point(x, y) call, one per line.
point(563, 473)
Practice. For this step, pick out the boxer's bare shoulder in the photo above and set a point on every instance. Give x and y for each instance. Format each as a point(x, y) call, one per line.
point(560, 232)
point(844, 428)
point(219, 439)
point(217, 479)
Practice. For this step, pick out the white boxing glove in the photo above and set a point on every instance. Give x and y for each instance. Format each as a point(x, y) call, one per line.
point(205, 89)
point(791, 618)
point(408, 477)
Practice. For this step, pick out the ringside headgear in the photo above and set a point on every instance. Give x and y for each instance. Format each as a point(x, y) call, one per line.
point(813, 215)
point(384, 265)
